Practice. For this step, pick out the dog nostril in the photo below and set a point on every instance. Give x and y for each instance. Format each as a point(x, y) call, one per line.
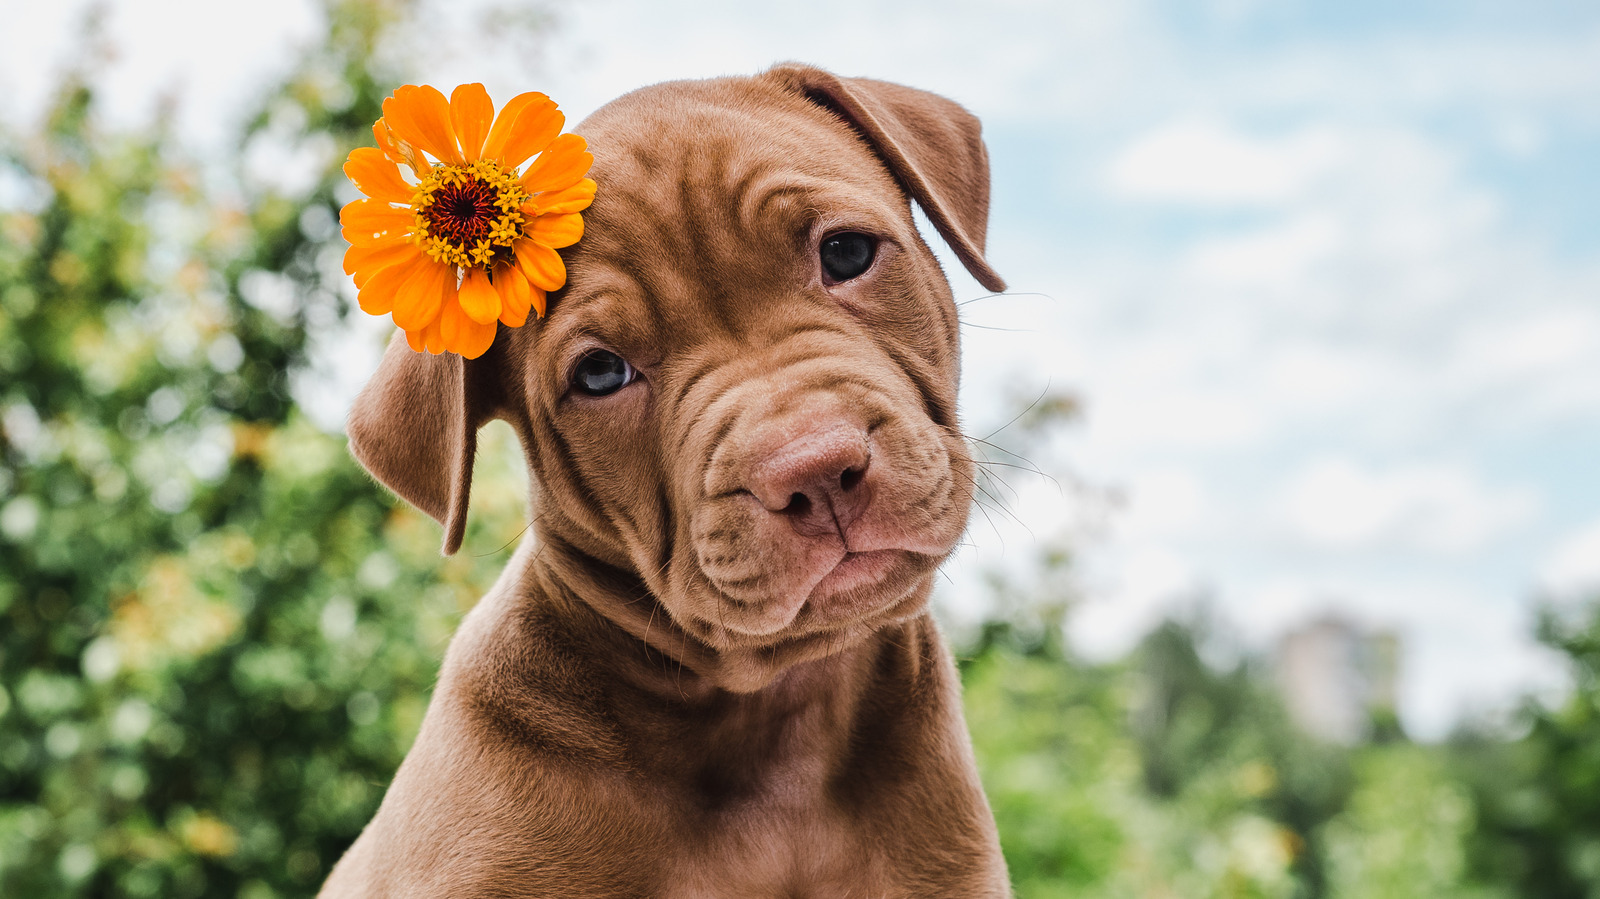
point(799, 505)
point(851, 477)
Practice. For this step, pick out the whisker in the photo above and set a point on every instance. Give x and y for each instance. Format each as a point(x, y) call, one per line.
point(1026, 409)
point(514, 538)
point(1008, 293)
point(997, 328)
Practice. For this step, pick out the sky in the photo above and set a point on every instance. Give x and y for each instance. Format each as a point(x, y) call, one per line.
point(1324, 277)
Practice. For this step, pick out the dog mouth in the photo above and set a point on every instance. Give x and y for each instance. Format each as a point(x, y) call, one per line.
point(854, 592)
point(855, 570)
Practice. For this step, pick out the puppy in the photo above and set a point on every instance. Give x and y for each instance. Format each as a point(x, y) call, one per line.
point(711, 671)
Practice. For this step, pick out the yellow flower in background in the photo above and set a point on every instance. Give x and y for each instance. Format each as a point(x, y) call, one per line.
point(473, 240)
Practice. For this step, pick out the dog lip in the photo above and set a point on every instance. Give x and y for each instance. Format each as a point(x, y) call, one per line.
point(855, 569)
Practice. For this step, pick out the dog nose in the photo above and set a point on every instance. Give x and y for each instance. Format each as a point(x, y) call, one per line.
point(817, 480)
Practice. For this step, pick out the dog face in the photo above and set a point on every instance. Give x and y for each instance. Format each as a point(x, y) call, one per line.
point(740, 412)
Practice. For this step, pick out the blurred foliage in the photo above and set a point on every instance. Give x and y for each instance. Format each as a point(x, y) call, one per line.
point(1164, 775)
point(1538, 798)
point(217, 636)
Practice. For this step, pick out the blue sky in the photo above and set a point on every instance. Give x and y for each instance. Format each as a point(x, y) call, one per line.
point(1325, 274)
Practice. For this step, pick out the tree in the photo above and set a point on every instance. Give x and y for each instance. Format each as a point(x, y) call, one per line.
point(1538, 797)
point(217, 635)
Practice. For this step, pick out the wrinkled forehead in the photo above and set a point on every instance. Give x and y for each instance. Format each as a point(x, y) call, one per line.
point(710, 193)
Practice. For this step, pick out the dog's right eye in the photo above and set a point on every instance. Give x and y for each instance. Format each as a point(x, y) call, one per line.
point(846, 255)
point(601, 373)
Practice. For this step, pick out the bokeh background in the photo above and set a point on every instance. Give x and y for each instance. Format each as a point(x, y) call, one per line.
point(1283, 583)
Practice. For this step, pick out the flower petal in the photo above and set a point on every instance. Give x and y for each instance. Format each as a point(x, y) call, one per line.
point(386, 142)
point(463, 335)
point(471, 112)
point(479, 300)
point(526, 126)
point(541, 265)
point(419, 299)
point(572, 199)
point(374, 175)
point(516, 295)
point(368, 222)
point(377, 295)
point(557, 231)
point(416, 340)
point(420, 116)
point(397, 150)
point(560, 166)
point(433, 337)
point(364, 262)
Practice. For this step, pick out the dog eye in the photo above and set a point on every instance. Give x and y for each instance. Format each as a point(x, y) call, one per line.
point(600, 373)
point(846, 255)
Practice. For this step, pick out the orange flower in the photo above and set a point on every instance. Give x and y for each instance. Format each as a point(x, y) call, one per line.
point(473, 241)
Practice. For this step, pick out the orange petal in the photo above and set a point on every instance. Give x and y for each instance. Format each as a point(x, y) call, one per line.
point(479, 300)
point(525, 118)
point(471, 112)
point(541, 265)
point(386, 142)
point(418, 300)
point(420, 116)
point(377, 295)
point(397, 150)
point(516, 295)
point(560, 166)
point(415, 339)
point(572, 199)
point(536, 126)
point(376, 176)
point(364, 262)
point(462, 334)
point(360, 257)
point(368, 222)
point(557, 231)
point(433, 337)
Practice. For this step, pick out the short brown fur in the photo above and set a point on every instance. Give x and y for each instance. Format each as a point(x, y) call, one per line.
point(711, 671)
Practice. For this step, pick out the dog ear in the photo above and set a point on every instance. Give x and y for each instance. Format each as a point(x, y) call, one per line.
point(414, 427)
point(931, 145)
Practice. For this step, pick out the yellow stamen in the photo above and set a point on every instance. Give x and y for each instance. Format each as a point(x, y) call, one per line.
point(460, 232)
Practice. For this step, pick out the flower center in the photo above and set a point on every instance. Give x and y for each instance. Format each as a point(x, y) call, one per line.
point(468, 215)
point(462, 214)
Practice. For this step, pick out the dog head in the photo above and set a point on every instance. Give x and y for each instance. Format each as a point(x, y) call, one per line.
point(740, 413)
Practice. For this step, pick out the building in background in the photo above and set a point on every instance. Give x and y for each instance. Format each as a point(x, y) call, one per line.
point(1339, 679)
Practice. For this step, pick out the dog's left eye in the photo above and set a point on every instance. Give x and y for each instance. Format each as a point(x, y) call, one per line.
point(846, 255)
point(601, 373)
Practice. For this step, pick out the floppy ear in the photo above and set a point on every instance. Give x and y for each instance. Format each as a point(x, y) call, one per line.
point(931, 145)
point(414, 427)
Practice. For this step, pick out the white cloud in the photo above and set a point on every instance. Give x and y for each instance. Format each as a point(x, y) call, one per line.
point(1332, 503)
point(1209, 163)
point(1284, 254)
point(1128, 592)
point(1537, 343)
point(1305, 379)
point(1573, 567)
point(1164, 502)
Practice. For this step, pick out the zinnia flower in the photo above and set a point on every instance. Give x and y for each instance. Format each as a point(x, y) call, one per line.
point(472, 241)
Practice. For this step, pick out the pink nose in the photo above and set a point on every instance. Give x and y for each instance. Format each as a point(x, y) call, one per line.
point(816, 480)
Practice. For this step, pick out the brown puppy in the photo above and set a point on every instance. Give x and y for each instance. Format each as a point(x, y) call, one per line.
point(711, 672)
